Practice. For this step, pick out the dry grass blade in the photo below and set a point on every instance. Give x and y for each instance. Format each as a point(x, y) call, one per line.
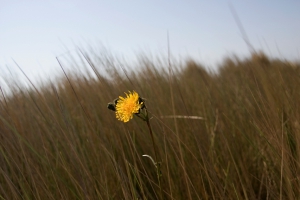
point(233, 134)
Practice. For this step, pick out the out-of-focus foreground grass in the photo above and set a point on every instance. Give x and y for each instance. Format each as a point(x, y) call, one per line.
point(61, 142)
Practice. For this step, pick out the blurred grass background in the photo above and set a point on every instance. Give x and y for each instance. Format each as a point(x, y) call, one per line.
point(59, 140)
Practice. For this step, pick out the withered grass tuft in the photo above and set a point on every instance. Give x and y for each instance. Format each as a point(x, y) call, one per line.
point(62, 142)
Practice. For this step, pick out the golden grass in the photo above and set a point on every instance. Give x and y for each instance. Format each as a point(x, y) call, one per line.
point(61, 142)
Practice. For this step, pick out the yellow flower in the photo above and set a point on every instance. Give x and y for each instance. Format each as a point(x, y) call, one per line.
point(126, 107)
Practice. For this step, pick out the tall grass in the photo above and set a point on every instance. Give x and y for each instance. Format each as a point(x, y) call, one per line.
point(60, 141)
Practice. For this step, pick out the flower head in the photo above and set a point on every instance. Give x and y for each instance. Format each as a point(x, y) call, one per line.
point(126, 107)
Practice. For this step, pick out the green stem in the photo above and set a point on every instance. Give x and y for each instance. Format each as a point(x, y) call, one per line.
point(157, 164)
point(152, 138)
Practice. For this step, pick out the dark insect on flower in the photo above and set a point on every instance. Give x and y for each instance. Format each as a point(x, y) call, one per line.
point(142, 102)
point(112, 105)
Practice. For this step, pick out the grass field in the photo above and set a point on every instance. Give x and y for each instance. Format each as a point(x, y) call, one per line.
point(233, 134)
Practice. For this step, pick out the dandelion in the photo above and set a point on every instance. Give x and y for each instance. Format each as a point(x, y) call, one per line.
point(128, 106)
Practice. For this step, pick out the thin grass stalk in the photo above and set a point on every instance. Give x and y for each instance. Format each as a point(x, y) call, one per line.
point(175, 121)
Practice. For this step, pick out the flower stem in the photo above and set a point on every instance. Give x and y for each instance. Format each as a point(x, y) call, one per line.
point(157, 164)
point(153, 143)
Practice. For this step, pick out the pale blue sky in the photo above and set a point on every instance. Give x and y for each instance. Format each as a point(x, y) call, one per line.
point(34, 32)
